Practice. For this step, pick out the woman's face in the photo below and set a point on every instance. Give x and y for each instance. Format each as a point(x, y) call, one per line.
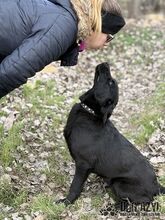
point(96, 41)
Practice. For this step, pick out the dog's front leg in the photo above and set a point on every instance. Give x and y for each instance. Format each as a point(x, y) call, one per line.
point(81, 175)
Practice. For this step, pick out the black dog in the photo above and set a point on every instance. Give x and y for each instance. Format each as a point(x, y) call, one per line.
point(98, 147)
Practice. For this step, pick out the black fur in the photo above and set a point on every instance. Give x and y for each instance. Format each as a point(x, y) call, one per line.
point(97, 146)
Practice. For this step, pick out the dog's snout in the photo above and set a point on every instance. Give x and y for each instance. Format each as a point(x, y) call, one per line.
point(103, 67)
point(102, 73)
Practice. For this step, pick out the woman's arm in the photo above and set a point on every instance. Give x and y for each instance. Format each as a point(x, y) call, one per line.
point(31, 56)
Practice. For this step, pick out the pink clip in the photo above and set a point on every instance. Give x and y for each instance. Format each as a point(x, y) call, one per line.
point(81, 46)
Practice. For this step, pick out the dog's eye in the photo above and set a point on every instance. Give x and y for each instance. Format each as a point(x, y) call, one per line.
point(108, 102)
point(111, 82)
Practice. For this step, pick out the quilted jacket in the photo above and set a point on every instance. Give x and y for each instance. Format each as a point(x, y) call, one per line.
point(33, 33)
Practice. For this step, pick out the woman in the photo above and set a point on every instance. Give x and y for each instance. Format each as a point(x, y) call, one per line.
point(36, 32)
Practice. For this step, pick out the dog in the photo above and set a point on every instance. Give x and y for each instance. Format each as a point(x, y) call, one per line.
point(98, 147)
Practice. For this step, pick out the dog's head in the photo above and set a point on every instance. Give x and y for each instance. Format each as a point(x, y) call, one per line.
point(103, 96)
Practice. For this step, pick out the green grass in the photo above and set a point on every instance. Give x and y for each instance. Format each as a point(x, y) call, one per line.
point(162, 180)
point(44, 99)
point(161, 201)
point(64, 152)
point(1, 132)
point(54, 173)
point(45, 204)
point(9, 196)
point(97, 201)
point(161, 198)
point(88, 217)
point(129, 39)
point(145, 123)
point(9, 143)
point(2, 216)
point(40, 93)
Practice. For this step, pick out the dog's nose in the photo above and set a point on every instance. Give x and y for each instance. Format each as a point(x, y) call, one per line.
point(103, 67)
point(103, 71)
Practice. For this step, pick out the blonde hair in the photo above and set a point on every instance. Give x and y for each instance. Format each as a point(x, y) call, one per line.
point(111, 6)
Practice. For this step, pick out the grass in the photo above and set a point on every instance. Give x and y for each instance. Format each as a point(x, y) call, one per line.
point(88, 217)
point(2, 216)
point(46, 205)
point(161, 198)
point(54, 175)
point(162, 180)
point(9, 143)
point(43, 98)
point(97, 201)
point(42, 93)
point(148, 121)
point(146, 124)
point(1, 132)
point(11, 197)
point(133, 38)
point(161, 201)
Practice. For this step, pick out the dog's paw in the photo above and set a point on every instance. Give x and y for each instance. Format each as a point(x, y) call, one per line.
point(64, 201)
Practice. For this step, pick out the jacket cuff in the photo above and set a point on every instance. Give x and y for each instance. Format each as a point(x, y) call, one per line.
point(3, 93)
point(70, 58)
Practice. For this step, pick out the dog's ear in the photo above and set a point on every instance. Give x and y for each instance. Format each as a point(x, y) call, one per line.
point(105, 117)
point(107, 112)
point(96, 76)
point(108, 109)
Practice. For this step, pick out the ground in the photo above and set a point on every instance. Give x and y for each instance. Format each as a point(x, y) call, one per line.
point(35, 166)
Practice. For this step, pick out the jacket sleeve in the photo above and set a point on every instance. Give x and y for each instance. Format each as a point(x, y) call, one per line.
point(70, 57)
point(31, 56)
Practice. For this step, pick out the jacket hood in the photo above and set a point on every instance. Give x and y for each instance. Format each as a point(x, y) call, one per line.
point(67, 5)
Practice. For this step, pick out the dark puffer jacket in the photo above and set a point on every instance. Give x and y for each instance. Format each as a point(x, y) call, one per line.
point(33, 33)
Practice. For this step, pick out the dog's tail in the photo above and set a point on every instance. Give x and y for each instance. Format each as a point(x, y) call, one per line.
point(161, 189)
